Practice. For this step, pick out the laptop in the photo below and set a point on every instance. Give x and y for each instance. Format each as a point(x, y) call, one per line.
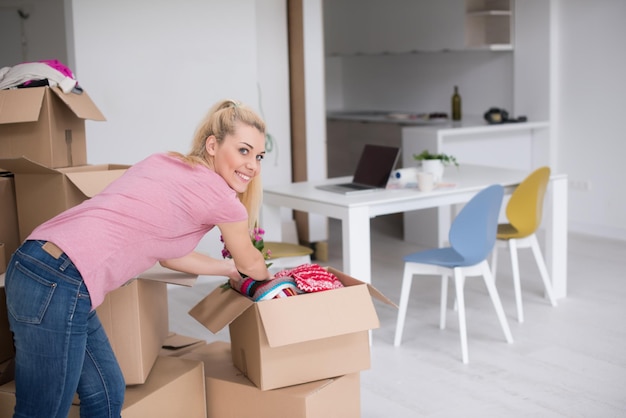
point(372, 172)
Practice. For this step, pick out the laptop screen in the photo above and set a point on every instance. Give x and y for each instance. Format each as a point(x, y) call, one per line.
point(375, 165)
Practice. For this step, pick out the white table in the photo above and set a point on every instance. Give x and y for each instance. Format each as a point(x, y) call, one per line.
point(355, 212)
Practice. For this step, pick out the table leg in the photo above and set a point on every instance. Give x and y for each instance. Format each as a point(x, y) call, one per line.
point(356, 244)
point(443, 224)
point(556, 237)
point(271, 223)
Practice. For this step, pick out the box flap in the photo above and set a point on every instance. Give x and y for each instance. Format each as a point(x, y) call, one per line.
point(349, 280)
point(162, 274)
point(93, 182)
point(80, 104)
point(20, 105)
point(176, 341)
point(24, 165)
point(219, 308)
point(317, 315)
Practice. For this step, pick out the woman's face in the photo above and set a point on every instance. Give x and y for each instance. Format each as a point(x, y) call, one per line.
point(238, 158)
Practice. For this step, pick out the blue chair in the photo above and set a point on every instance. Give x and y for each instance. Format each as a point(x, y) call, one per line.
point(472, 237)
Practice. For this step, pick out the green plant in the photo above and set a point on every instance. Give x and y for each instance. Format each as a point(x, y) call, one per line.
point(427, 155)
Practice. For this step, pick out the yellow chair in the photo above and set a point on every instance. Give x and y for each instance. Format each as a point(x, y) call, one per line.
point(524, 212)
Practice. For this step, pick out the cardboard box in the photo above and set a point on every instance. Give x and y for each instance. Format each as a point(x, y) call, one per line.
point(60, 189)
point(45, 125)
point(135, 318)
point(288, 341)
point(176, 345)
point(3, 258)
point(7, 371)
point(229, 394)
point(9, 234)
point(7, 351)
point(175, 388)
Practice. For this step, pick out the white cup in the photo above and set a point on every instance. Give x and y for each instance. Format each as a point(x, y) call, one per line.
point(425, 181)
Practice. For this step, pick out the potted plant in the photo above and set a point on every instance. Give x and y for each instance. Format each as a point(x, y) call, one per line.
point(434, 163)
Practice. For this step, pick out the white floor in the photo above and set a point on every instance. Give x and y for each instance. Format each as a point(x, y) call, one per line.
point(567, 361)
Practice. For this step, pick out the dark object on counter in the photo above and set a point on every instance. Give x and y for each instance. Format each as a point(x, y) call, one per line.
point(496, 115)
point(456, 104)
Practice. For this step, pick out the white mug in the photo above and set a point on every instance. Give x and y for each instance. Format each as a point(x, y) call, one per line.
point(425, 181)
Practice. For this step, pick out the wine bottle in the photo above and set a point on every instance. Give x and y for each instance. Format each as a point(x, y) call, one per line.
point(456, 104)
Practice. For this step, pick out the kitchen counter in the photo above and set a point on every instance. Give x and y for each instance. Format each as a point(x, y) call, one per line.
point(469, 124)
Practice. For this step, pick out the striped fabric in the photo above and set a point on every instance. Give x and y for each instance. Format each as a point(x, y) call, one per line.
point(305, 278)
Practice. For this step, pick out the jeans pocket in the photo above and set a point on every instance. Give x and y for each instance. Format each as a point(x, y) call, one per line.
point(28, 295)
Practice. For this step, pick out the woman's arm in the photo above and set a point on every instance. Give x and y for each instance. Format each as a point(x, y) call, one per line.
point(202, 264)
point(248, 259)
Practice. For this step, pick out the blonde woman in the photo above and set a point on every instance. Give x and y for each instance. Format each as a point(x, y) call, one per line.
point(156, 212)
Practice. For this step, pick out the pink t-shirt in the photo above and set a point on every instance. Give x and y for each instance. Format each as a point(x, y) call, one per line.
point(159, 209)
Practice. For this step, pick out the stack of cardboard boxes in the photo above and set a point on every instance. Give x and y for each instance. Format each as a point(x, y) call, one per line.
point(43, 129)
point(43, 156)
point(293, 357)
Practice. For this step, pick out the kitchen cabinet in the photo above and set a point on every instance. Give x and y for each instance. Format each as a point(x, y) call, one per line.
point(375, 27)
point(489, 24)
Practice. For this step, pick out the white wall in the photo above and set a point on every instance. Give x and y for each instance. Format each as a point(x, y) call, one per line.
point(42, 37)
point(154, 68)
point(425, 82)
point(119, 59)
point(572, 74)
point(592, 139)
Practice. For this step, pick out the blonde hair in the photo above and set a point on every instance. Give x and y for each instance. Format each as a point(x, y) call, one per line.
point(222, 120)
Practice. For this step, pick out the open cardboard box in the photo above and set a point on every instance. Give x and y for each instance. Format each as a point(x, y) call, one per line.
point(230, 394)
point(298, 339)
point(135, 317)
point(60, 188)
point(45, 125)
point(175, 388)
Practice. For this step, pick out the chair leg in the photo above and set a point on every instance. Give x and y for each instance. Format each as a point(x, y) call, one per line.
point(407, 279)
point(444, 302)
point(494, 261)
point(516, 280)
point(459, 280)
point(497, 304)
point(534, 245)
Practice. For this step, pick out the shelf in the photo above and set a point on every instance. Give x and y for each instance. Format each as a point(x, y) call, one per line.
point(490, 13)
point(488, 23)
point(477, 48)
point(420, 27)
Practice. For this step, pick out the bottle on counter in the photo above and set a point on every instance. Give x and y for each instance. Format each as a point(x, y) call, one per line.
point(456, 104)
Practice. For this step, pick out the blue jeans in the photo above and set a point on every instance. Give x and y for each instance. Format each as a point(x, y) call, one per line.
point(60, 345)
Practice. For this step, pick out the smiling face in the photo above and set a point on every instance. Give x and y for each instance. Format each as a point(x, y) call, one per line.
point(238, 157)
